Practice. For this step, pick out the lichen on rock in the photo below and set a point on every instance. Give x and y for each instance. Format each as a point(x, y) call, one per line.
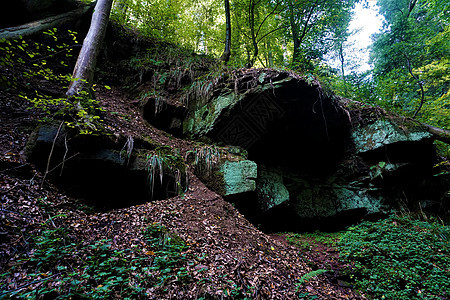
point(385, 132)
point(271, 190)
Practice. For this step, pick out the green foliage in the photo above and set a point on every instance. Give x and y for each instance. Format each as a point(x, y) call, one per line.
point(38, 60)
point(162, 160)
point(64, 268)
point(399, 258)
point(169, 260)
point(308, 240)
point(261, 30)
point(309, 276)
point(412, 53)
point(316, 29)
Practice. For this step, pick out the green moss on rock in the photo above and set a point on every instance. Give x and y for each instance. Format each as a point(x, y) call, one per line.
point(239, 176)
point(270, 188)
point(385, 132)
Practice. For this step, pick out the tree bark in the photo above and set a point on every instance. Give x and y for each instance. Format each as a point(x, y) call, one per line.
point(83, 73)
point(42, 25)
point(296, 35)
point(438, 133)
point(227, 52)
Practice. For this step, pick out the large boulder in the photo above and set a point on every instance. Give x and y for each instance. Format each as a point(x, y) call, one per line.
point(271, 190)
point(238, 176)
point(318, 156)
point(107, 170)
point(225, 170)
point(384, 132)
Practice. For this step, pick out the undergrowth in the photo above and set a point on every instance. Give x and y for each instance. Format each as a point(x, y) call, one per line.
point(309, 240)
point(399, 258)
point(43, 64)
point(61, 267)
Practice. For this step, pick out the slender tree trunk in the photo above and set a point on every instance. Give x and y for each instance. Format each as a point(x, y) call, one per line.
point(83, 73)
point(342, 60)
point(269, 54)
point(42, 25)
point(296, 40)
point(296, 36)
point(227, 52)
point(253, 32)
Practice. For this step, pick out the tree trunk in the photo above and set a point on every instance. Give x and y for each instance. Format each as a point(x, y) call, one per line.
point(439, 133)
point(269, 55)
point(83, 73)
point(251, 22)
point(295, 35)
point(227, 52)
point(342, 60)
point(42, 25)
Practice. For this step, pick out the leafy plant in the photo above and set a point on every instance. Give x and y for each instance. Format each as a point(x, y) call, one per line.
point(45, 61)
point(163, 159)
point(399, 258)
point(64, 268)
point(308, 276)
point(205, 158)
point(169, 259)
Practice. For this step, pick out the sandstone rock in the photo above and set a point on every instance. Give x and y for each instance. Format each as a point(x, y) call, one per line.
point(238, 176)
point(386, 132)
point(271, 190)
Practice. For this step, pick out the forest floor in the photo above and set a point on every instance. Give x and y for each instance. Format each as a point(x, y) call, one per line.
point(222, 255)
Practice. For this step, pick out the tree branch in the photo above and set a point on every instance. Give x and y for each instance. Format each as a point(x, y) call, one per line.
point(419, 82)
point(267, 16)
point(411, 6)
point(272, 31)
point(438, 133)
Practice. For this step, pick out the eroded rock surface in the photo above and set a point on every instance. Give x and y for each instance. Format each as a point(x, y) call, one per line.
point(385, 132)
point(317, 157)
point(107, 170)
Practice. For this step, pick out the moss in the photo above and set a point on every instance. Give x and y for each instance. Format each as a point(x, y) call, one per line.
point(214, 182)
point(149, 143)
point(384, 132)
point(239, 177)
point(173, 160)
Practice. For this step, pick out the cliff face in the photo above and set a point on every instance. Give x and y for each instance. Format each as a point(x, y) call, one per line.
point(317, 157)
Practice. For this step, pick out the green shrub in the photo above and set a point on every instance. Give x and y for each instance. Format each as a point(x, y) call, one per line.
point(61, 267)
point(169, 261)
point(399, 258)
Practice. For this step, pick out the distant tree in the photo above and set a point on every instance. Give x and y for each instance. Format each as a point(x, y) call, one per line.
point(227, 52)
point(412, 58)
point(256, 20)
point(314, 27)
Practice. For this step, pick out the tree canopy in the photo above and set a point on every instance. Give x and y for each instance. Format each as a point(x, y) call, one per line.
point(411, 59)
